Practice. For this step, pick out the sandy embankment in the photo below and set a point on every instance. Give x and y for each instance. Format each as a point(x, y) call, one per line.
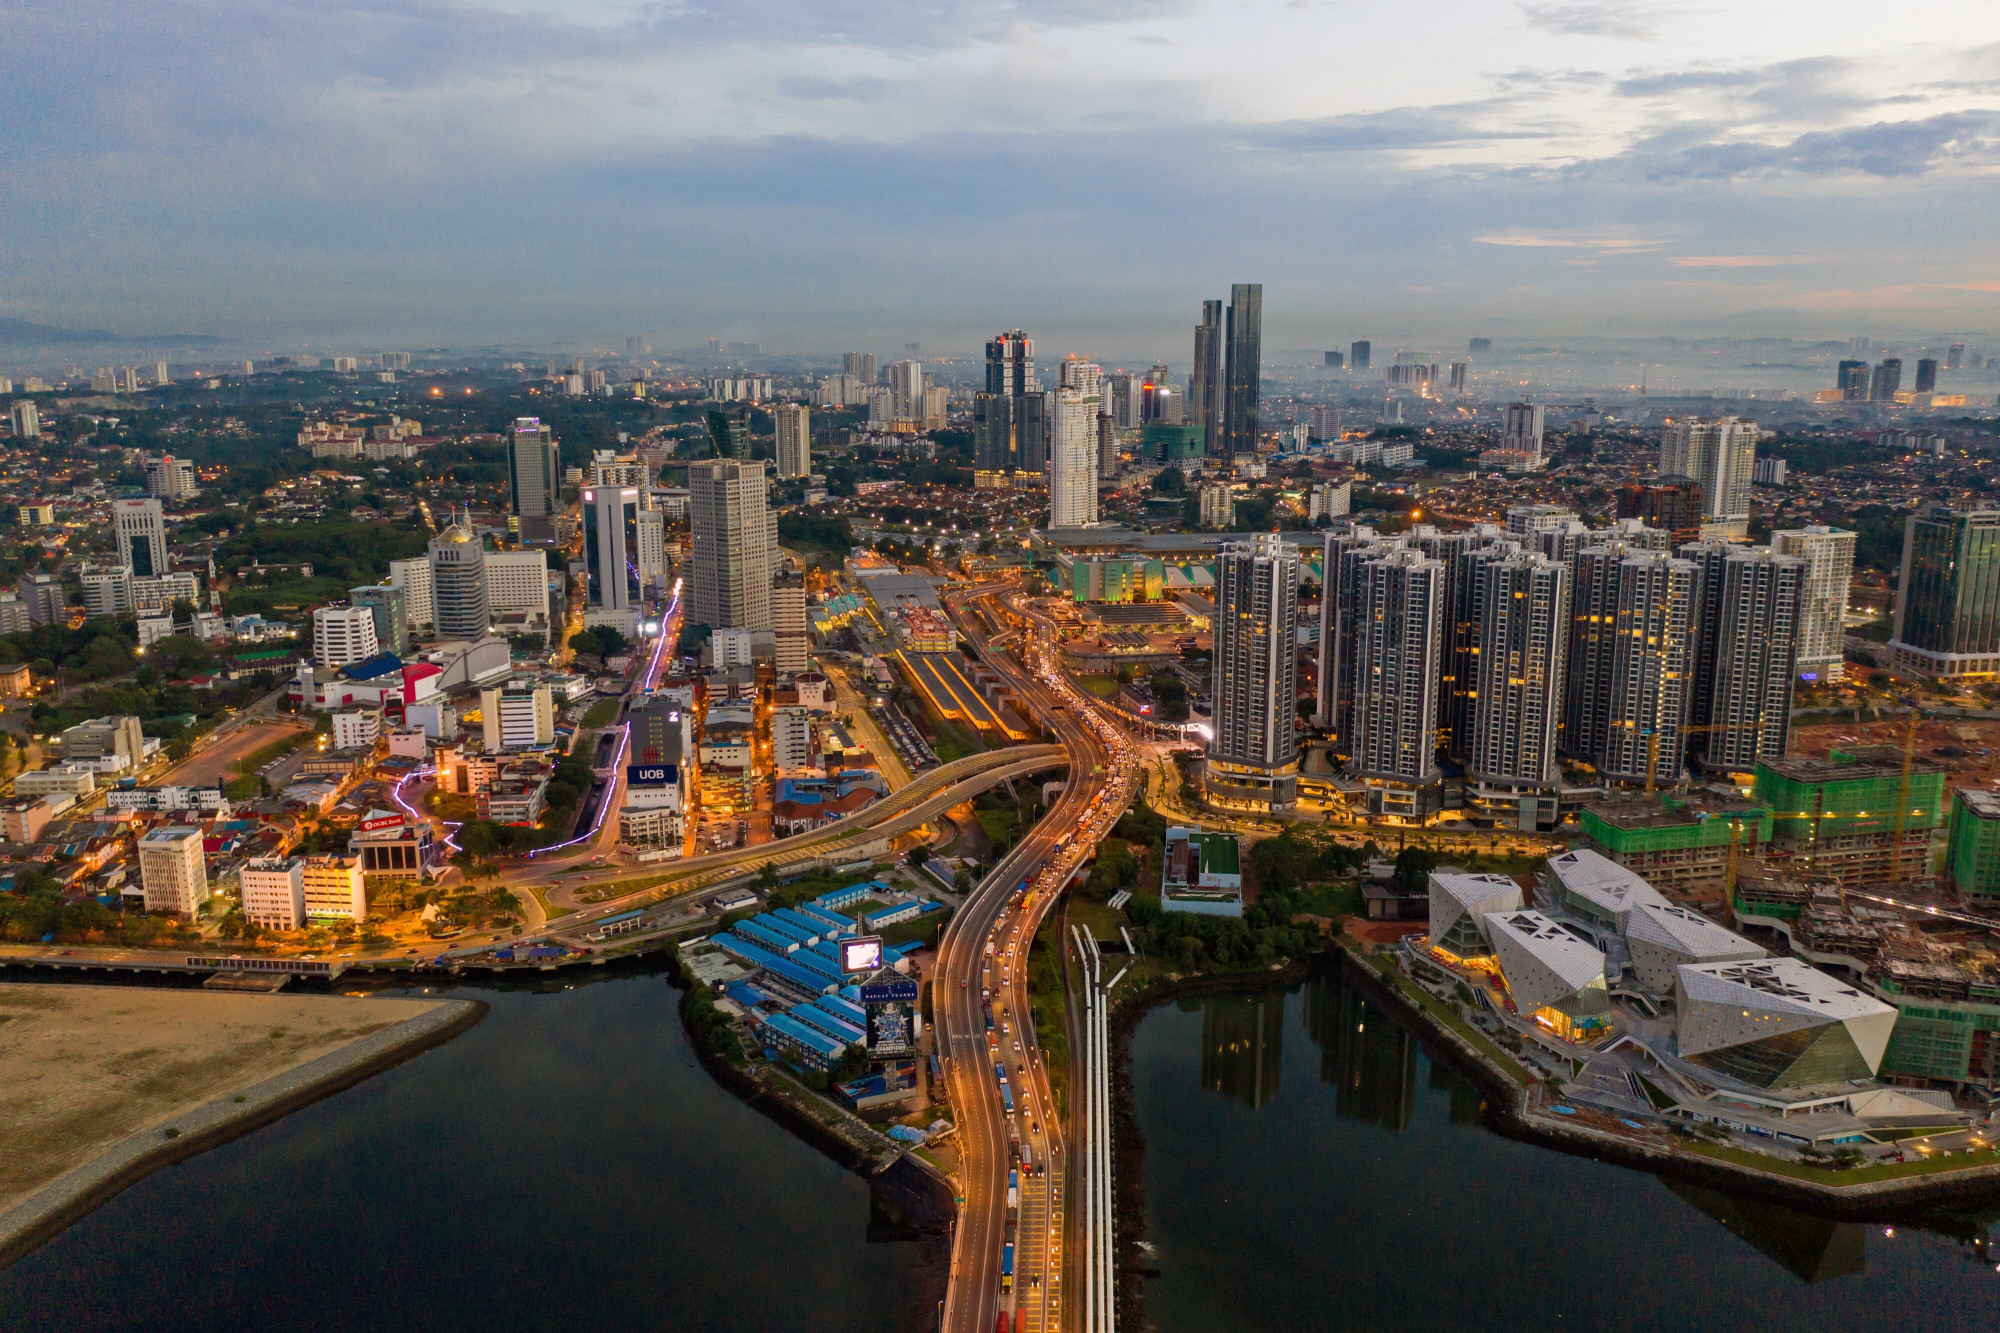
point(101, 1085)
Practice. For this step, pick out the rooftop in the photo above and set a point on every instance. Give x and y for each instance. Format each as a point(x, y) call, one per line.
point(1783, 984)
point(1576, 962)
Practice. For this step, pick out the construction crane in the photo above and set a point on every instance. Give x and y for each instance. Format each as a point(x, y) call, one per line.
point(1653, 746)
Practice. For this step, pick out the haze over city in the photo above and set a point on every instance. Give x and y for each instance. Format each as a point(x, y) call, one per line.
point(491, 172)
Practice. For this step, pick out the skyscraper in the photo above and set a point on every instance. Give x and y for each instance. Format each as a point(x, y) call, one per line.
point(141, 532)
point(1253, 756)
point(1205, 387)
point(1010, 364)
point(458, 582)
point(1072, 459)
point(1720, 455)
point(1750, 678)
point(1031, 418)
point(1926, 374)
point(788, 620)
point(1829, 556)
point(993, 447)
point(534, 469)
point(1630, 655)
point(794, 422)
point(1398, 645)
point(1954, 356)
point(1521, 428)
point(734, 545)
point(1357, 357)
point(611, 550)
point(27, 421)
point(1887, 379)
point(1948, 606)
point(1464, 556)
point(1342, 548)
point(1851, 378)
point(1523, 609)
point(1243, 371)
point(861, 365)
point(906, 384)
point(651, 557)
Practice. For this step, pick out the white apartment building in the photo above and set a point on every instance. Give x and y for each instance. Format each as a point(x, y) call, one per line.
point(172, 871)
point(1072, 459)
point(141, 532)
point(1217, 506)
point(791, 738)
point(170, 478)
point(518, 581)
point(519, 715)
point(160, 592)
point(343, 635)
point(731, 648)
point(274, 892)
point(1721, 454)
point(651, 527)
point(356, 729)
point(1829, 556)
point(107, 590)
point(414, 578)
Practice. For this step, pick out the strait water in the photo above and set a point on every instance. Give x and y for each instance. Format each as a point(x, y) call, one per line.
point(566, 1164)
point(1309, 1167)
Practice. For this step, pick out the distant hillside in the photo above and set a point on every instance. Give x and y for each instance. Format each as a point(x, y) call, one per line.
point(26, 331)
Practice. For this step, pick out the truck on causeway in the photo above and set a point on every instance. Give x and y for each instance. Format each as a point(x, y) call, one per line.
point(1007, 1267)
point(1013, 1190)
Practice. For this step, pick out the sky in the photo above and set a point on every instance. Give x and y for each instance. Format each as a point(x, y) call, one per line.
point(812, 176)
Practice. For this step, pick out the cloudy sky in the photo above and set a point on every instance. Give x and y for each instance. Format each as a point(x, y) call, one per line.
point(812, 175)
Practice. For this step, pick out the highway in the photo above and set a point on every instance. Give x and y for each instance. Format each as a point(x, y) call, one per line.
point(985, 951)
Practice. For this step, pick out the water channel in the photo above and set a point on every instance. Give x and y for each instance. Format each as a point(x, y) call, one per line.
point(1308, 1166)
point(565, 1164)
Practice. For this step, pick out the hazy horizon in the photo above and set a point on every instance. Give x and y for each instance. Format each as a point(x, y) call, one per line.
point(530, 171)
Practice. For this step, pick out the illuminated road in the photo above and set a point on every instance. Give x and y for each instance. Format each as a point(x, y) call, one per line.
point(985, 949)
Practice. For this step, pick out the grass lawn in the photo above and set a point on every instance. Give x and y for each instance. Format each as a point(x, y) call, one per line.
point(1101, 686)
point(1102, 921)
point(1924, 1166)
point(598, 893)
point(924, 928)
point(1045, 1003)
point(601, 714)
point(1332, 900)
point(549, 910)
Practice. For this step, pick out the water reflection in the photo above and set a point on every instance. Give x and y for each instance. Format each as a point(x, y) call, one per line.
point(1370, 1062)
point(1813, 1249)
point(1246, 1187)
point(1243, 1046)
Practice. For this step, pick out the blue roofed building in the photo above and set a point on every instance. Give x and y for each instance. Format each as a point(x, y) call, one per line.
point(758, 933)
point(844, 1008)
point(777, 925)
point(779, 972)
point(835, 899)
point(896, 913)
point(830, 923)
point(814, 1049)
point(821, 1021)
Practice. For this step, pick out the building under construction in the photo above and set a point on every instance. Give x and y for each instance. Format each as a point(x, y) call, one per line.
point(1678, 842)
point(1860, 818)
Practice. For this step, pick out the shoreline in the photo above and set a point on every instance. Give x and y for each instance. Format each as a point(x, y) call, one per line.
point(908, 1182)
point(46, 1213)
point(1501, 1110)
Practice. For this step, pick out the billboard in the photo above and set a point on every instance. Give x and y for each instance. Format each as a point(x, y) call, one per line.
point(862, 953)
point(903, 990)
point(650, 775)
point(890, 1029)
point(381, 822)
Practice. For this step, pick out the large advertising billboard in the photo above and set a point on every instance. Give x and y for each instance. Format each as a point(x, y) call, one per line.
point(861, 953)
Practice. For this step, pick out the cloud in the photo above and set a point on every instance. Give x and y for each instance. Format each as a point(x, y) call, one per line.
point(1728, 261)
point(1599, 242)
point(1627, 22)
point(1398, 128)
point(1884, 149)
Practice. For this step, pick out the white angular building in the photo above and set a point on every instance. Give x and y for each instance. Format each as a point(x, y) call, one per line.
point(1661, 937)
point(1555, 979)
point(1778, 1024)
point(1460, 905)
